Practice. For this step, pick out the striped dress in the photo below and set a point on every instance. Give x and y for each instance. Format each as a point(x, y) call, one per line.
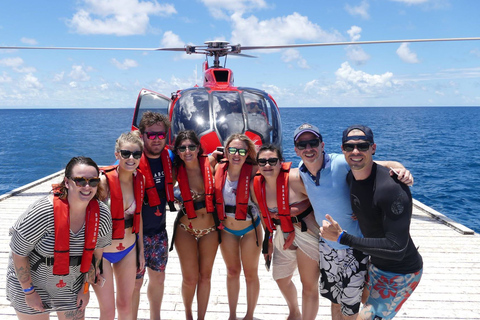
point(35, 230)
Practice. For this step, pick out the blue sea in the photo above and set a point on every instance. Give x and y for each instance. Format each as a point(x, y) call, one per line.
point(437, 144)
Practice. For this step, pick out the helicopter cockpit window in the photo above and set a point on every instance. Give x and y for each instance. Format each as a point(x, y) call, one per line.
point(228, 112)
point(150, 101)
point(258, 116)
point(191, 112)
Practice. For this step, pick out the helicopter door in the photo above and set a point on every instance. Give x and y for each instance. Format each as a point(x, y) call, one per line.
point(227, 108)
point(149, 101)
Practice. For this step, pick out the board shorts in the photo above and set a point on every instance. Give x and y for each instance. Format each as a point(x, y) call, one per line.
point(388, 292)
point(156, 253)
point(284, 262)
point(342, 276)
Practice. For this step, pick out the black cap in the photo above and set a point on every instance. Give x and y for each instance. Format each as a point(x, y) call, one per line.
point(306, 128)
point(368, 133)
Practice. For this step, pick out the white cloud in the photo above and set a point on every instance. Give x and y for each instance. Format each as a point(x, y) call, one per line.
point(172, 40)
point(278, 31)
point(58, 77)
point(79, 73)
point(411, 2)
point(5, 78)
point(220, 9)
point(29, 41)
point(11, 62)
point(30, 82)
point(406, 55)
point(360, 10)
point(293, 55)
point(356, 53)
point(119, 17)
point(125, 65)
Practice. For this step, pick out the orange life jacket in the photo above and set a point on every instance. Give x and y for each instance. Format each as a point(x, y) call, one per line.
point(150, 188)
point(116, 201)
point(282, 199)
point(182, 179)
point(243, 191)
point(61, 254)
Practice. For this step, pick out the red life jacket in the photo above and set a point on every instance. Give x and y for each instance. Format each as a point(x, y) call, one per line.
point(61, 254)
point(182, 179)
point(243, 191)
point(282, 199)
point(116, 201)
point(151, 190)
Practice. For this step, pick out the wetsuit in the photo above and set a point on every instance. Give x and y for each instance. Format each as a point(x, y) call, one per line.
point(383, 207)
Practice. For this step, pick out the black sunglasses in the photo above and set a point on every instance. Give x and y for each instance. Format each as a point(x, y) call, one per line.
point(301, 145)
point(82, 181)
point(262, 162)
point(191, 147)
point(233, 151)
point(153, 135)
point(349, 147)
point(127, 153)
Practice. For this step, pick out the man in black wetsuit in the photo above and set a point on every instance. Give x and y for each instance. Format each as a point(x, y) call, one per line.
point(383, 207)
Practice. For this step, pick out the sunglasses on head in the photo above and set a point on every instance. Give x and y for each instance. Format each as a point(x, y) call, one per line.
point(349, 147)
point(191, 147)
point(233, 151)
point(303, 144)
point(127, 153)
point(82, 181)
point(153, 135)
point(262, 162)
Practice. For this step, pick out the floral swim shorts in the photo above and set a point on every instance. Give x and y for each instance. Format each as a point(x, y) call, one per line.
point(156, 252)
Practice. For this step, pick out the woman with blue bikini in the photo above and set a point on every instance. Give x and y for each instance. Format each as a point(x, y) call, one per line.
point(124, 187)
point(240, 221)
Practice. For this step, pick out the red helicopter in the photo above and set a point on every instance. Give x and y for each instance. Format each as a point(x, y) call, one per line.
point(218, 108)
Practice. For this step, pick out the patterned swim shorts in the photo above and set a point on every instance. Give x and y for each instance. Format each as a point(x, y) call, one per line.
point(156, 252)
point(342, 276)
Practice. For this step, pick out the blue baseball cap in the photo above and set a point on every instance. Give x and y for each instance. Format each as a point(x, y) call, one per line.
point(306, 127)
point(367, 137)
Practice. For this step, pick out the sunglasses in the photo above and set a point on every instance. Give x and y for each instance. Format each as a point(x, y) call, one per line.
point(349, 147)
point(127, 153)
point(192, 148)
point(152, 135)
point(301, 145)
point(233, 151)
point(262, 162)
point(82, 181)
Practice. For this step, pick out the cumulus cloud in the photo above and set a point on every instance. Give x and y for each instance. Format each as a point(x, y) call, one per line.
point(278, 31)
point(125, 65)
point(79, 73)
point(356, 53)
point(17, 64)
point(4, 78)
point(119, 17)
point(360, 10)
point(172, 40)
point(29, 41)
point(221, 9)
point(406, 54)
point(293, 55)
point(30, 82)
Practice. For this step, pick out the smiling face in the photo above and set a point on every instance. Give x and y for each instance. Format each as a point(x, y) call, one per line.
point(154, 147)
point(78, 193)
point(185, 153)
point(236, 159)
point(356, 159)
point(309, 154)
point(129, 164)
point(269, 171)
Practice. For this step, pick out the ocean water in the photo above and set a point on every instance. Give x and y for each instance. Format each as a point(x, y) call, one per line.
point(438, 145)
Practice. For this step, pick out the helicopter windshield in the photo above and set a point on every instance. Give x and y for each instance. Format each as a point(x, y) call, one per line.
point(227, 108)
point(191, 112)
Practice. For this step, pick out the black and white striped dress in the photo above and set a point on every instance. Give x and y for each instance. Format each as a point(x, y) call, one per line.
point(34, 229)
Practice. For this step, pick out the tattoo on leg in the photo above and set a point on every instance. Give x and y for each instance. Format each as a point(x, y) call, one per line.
point(75, 314)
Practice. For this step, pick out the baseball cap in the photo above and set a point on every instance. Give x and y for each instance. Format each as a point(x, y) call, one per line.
point(368, 133)
point(306, 127)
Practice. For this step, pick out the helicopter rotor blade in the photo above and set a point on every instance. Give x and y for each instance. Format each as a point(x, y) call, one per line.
point(243, 55)
point(326, 44)
point(90, 48)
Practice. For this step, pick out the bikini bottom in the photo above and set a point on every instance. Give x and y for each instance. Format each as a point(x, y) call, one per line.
point(197, 233)
point(243, 232)
point(114, 257)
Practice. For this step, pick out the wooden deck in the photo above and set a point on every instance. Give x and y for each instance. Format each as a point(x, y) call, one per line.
point(449, 289)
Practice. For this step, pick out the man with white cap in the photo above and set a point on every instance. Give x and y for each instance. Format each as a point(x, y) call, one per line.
point(342, 268)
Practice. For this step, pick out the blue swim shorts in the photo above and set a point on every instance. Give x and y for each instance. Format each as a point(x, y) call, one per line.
point(156, 252)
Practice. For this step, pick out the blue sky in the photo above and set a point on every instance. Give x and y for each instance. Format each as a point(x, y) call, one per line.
point(417, 74)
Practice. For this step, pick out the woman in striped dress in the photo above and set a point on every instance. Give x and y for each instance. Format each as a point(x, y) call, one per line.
point(55, 243)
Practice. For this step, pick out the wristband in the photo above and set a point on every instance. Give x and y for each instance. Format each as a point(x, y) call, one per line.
point(28, 289)
point(340, 236)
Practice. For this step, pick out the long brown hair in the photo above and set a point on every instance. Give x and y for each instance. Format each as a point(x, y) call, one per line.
point(185, 135)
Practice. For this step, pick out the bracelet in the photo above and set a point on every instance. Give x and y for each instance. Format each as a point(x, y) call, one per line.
point(340, 236)
point(29, 289)
point(30, 293)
